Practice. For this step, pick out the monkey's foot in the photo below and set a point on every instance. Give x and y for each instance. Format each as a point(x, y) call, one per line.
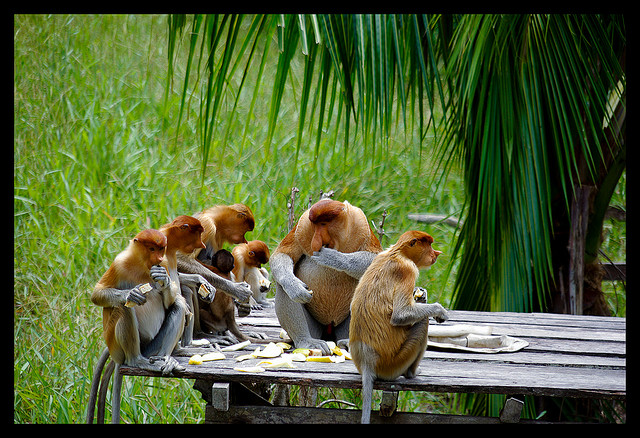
point(170, 364)
point(410, 374)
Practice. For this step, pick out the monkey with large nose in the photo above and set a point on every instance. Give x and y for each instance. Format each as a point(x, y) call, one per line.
point(388, 329)
point(316, 268)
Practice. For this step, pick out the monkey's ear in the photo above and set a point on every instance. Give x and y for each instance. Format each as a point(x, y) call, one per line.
point(413, 242)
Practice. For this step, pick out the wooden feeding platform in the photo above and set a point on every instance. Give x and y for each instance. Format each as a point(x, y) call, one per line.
point(567, 356)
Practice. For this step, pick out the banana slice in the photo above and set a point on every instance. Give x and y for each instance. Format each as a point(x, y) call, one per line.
point(238, 346)
point(216, 355)
point(271, 350)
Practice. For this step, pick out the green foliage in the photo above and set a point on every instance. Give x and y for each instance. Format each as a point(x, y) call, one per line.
point(97, 158)
point(530, 95)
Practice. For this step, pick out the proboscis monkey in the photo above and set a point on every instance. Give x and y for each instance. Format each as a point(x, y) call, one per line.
point(140, 328)
point(317, 267)
point(218, 317)
point(127, 327)
point(388, 329)
point(221, 223)
point(184, 236)
point(249, 258)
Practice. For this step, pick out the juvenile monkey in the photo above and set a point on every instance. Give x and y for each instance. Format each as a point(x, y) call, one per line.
point(221, 223)
point(317, 267)
point(249, 258)
point(219, 316)
point(388, 330)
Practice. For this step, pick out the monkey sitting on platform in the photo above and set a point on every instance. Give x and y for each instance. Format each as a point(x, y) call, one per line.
point(388, 329)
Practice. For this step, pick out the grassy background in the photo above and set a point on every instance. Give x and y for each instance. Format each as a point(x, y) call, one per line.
point(97, 158)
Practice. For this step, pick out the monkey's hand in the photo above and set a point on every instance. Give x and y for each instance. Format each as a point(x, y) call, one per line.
point(205, 286)
point(420, 294)
point(239, 291)
point(160, 276)
point(298, 291)
point(438, 312)
point(282, 271)
point(353, 264)
point(136, 296)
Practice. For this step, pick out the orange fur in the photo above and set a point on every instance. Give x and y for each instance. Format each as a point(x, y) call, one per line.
point(338, 225)
point(388, 283)
point(225, 223)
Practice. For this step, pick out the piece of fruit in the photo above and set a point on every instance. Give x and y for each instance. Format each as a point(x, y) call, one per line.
point(271, 350)
point(196, 359)
point(216, 355)
point(238, 346)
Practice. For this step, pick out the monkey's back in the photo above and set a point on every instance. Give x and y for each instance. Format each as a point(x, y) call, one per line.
point(371, 310)
point(332, 291)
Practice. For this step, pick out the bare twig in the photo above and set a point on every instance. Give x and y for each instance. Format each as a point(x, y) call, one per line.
point(380, 228)
point(291, 207)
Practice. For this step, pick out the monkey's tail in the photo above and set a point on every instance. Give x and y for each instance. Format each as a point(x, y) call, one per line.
point(93, 393)
point(368, 378)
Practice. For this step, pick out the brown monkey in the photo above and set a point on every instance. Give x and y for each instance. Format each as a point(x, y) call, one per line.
point(219, 316)
point(125, 328)
point(184, 236)
point(221, 223)
point(317, 267)
point(249, 258)
point(152, 328)
point(388, 330)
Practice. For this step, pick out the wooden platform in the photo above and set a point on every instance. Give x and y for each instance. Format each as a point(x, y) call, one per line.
point(567, 356)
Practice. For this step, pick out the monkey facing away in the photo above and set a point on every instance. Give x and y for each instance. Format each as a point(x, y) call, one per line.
point(388, 329)
point(316, 268)
point(249, 258)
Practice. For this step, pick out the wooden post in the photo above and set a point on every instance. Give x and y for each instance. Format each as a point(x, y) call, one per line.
point(388, 403)
point(577, 235)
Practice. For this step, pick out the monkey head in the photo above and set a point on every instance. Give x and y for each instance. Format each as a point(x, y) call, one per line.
point(328, 219)
point(416, 246)
point(257, 253)
point(238, 221)
point(223, 260)
point(337, 225)
point(152, 245)
point(185, 233)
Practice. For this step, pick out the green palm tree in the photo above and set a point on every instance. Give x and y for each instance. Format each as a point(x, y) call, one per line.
point(532, 106)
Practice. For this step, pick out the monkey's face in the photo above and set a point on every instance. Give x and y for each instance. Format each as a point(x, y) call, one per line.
point(190, 239)
point(322, 236)
point(156, 255)
point(417, 247)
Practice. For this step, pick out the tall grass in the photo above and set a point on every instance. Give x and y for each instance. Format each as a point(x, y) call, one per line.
point(97, 157)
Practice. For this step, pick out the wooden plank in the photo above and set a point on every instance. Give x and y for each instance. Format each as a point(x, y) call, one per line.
point(573, 356)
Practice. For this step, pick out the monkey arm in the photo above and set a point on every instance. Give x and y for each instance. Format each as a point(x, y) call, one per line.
point(188, 265)
point(353, 264)
point(282, 271)
point(112, 297)
point(407, 313)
